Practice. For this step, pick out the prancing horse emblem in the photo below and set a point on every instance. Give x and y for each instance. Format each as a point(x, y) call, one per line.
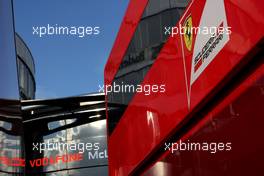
point(188, 36)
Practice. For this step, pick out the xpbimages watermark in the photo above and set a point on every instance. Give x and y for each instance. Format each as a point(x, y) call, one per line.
point(212, 147)
point(60, 146)
point(77, 31)
point(147, 89)
point(205, 30)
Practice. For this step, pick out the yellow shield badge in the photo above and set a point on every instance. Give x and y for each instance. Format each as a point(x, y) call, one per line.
point(188, 35)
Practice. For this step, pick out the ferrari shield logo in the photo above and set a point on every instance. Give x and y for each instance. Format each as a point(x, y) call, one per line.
point(188, 36)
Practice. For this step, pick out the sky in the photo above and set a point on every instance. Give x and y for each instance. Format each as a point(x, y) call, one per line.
point(69, 65)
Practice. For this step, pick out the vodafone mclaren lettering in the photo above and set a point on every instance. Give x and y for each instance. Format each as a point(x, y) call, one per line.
point(52, 160)
point(20, 162)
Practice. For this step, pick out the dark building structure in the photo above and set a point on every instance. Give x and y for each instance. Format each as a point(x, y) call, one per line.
point(11, 126)
point(25, 121)
point(26, 69)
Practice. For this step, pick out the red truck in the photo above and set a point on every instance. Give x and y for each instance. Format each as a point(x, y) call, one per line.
point(209, 119)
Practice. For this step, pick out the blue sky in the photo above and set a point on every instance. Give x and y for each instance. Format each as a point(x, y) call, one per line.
point(69, 65)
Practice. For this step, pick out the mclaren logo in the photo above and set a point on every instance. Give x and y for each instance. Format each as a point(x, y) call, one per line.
point(188, 36)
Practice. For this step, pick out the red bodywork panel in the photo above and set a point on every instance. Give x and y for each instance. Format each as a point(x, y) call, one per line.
point(149, 120)
point(237, 119)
